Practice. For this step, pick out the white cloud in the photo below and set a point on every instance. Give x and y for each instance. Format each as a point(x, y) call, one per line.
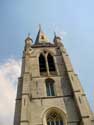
point(9, 72)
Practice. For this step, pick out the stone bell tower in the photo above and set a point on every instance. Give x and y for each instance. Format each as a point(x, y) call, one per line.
point(49, 92)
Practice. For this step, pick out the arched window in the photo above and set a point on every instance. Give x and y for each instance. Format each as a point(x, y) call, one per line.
point(50, 87)
point(54, 118)
point(51, 63)
point(42, 63)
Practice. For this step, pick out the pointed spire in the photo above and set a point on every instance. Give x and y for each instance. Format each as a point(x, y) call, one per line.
point(54, 34)
point(40, 27)
point(56, 37)
point(41, 37)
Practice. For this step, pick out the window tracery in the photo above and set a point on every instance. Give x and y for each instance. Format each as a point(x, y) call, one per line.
point(54, 119)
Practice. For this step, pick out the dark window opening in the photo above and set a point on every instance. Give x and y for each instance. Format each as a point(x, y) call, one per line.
point(42, 63)
point(51, 63)
point(50, 87)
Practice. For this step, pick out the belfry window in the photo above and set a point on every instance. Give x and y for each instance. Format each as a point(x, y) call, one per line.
point(51, 63)
point(54, 118)
point(50, 87)
point(42, 63)
point(42, 37)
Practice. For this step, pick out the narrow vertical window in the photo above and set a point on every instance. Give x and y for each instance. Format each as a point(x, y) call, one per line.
point(42, 63)
point(51, 63)
point(50, 87)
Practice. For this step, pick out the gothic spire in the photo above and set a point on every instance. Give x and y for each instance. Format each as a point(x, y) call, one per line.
point(41, 37)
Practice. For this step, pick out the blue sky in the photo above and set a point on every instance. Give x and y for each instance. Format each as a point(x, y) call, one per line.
point(73, 20)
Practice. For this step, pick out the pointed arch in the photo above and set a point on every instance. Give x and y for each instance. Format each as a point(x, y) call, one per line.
point(42, 63)
point(51, 63)
point(54, 116)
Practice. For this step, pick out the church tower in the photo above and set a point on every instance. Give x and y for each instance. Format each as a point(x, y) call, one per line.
point(49, 92)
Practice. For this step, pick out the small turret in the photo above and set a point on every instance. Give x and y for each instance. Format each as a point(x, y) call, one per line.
point(28, 46)
point(57, 40)
point(28, 42)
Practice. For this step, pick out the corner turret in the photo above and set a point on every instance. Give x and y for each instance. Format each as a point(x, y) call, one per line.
point(28, 41)
point(28, 46)
point(57, 40)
